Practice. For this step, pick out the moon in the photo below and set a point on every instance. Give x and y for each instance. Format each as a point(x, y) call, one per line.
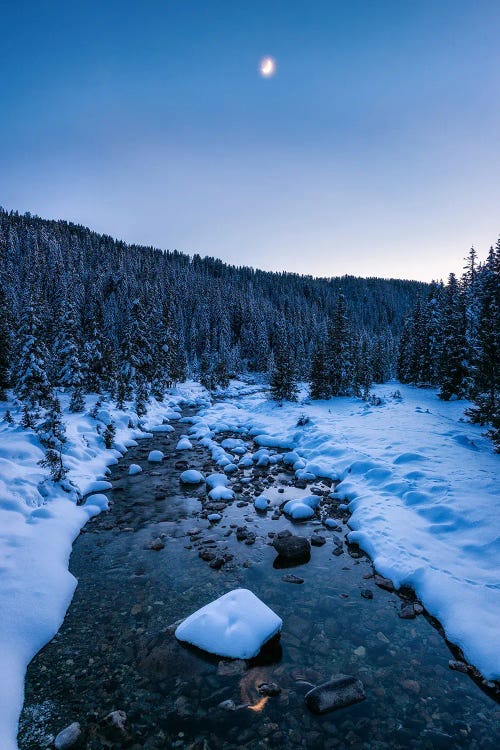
point(267, 67)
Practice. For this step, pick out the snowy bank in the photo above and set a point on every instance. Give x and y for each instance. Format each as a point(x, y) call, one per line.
point(39, 522)
point(422, 486)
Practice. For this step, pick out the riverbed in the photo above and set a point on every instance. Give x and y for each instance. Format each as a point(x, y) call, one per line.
point(115, 650)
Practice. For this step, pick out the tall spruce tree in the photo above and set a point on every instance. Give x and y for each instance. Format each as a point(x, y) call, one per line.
point(283, 378)
point(453, 372)
point(5, 344)
point(32, 382)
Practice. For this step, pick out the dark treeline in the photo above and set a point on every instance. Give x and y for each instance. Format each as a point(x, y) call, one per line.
point(452, 340)
point(84, 311)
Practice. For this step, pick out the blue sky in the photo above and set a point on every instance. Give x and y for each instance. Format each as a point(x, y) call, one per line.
point(374, 150)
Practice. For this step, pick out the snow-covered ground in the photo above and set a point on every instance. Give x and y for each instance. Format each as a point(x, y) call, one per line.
point(422, 485)
point(423, 488)
point(39, 522)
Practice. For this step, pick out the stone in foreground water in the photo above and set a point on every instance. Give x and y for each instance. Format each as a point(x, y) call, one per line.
point(340, 691)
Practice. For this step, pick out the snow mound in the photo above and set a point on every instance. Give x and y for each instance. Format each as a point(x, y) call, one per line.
point(134, 469)
point(261, 503)
point(298, 510)
point(216, 480)
point(192, 476)
point(221, 493)
point(235, 626)
point(184, 444)
point(155, 456)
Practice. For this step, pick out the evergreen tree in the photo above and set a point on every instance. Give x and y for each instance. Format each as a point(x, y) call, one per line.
point(32, 383)
point(318, 380)
point(52, 435)
point(283, 379)
point(340, 364)
point(4, 344)
point(487, 378)
point(453, 371)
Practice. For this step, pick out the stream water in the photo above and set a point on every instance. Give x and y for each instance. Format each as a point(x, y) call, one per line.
point(115, 651)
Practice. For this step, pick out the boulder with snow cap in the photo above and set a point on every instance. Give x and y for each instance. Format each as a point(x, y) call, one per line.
point(184, 444)
point(235, 626)
point(290, 458)
point(155, 457)
point(216, 480)
point(192, 476)
point(261, 503)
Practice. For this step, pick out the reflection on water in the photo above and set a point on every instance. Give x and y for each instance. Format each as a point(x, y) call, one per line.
point(117, 651)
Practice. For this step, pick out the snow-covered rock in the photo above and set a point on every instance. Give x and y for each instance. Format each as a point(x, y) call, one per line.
point(299, 511)
point(214, 517)
point(261, 503)
point(221, 493)
point(155, 456)
point(235, 626)
point(184, 444)
point(192, 476)
point(216, 480)
point(290, 458)
point(134, 469)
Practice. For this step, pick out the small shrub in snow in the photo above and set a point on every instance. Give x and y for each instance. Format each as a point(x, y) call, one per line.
point(109, 435)
point(28, 419)
point(396, 395)
point(77, 402)
point(8, 417)
point(95, 409)
point(303, 420)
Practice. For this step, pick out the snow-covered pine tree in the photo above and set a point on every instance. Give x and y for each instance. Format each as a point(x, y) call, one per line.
point(431, 349)
point(405, 352)
point(319, 385)
point(452, 371)
point(339, 352)
point(283, 379)
point(32, 383)
point(5, 344)
point(141, 395)
point(363, 370)
point(52, 435)
point(487, 375)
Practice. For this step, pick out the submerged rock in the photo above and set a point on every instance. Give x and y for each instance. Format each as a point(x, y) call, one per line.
point(317, 540)
point(290, 578)
point(68, 736)
point(292, 548)
point(340, 691)
point(383, 583)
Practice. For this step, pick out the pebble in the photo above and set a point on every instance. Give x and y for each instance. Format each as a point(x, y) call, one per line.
point(340, 691)
point(269, 688)
point(68, 736)
point(458, 666)
point(383, 583)
point(156, 545)
point(291, 578)
point(367, 594)
point(317, 540)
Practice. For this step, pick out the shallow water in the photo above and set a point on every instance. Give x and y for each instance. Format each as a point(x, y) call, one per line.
point(113, 651)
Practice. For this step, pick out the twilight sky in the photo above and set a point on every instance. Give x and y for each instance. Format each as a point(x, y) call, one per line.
point(374, 150)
